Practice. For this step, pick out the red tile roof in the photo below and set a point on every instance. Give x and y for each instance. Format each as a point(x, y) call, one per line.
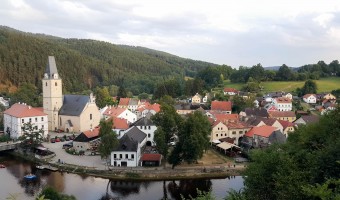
point(151, 157)
point(226, 117)
point(114, 111)
point(237, 125)
point(22, 110)
point(147, 106)
point(286, 124)
point(276, 114)
point(221, 105)
point(124, 101)
point(92, 133)
point(264, 131)
point(283, 100)
point(119, 123)
point(230, 90)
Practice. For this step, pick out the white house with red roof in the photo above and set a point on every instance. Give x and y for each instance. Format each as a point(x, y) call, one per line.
point(119, 125)
point(283, 103)
point(230, 91)
point(223, 106)
point(146, 108)
point(309, 98)
point(117, 112)
point(123, 102)
point(18, 114)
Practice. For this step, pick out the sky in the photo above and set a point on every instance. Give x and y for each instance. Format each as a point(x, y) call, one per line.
point(231, 32)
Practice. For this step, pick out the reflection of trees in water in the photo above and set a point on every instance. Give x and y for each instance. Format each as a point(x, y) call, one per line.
point(188, 188)
point(125, 188)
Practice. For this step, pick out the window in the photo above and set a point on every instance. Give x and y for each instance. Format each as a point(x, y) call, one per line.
point(30, 120)
point(141, 127)
point(149, 127)
point(22, 121)
point(114, 155)
point(132, 156)
point(46, 83)
point(221, 134)
point(120, 156)
point(221, 128)
point(234, 132)
point(218, 128)
point(240, 132)
point(216, 135)
point(36, 127)
point(36, 119)
point(90, 116)
point(42, 119)
point(225, 134)
point(42, 126)
point(149, 135)
point(126, 156)
point(56, 84)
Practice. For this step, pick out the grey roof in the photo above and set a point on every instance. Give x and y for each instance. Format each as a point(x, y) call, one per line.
point(133, 102)
point(51, 67)
point(261, 112)
point(127, 144)
point(277, 137)
point(256, 121)
point(310, 118)
point(73, 105)
point(144, 121)
point(135, 134)
point(130, 140)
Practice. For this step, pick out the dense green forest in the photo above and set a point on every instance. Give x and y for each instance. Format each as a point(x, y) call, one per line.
point(85, 64)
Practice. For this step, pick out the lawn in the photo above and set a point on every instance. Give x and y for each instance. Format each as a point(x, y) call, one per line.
point(324, 85)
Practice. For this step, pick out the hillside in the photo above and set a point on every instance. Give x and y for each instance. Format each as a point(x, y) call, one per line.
point(85, 64)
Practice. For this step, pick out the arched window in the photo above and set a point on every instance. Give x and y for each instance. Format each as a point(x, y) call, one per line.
point(46, 84)
point(56, 84)
point(90, 116)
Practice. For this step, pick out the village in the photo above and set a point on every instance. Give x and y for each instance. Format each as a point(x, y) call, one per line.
point(70, 123)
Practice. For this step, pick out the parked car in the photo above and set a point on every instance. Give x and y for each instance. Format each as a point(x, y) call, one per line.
point(68, 145)
point(67, 138)
point(52, 140)
point(62, 139)
point(57, 140)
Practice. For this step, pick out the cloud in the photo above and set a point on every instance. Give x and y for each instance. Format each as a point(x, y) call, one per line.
point(243, 32)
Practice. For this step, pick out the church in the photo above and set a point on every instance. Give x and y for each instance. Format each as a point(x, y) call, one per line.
point(69, 113)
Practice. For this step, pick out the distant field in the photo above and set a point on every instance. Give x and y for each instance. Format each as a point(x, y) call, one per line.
point(324, 85)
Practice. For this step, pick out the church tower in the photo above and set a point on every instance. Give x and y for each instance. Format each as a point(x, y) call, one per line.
point(52, 93)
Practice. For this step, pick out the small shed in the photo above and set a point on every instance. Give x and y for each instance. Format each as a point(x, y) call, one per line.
point(151, 159)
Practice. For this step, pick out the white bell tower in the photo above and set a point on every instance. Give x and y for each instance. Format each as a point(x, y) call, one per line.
point(52, 94)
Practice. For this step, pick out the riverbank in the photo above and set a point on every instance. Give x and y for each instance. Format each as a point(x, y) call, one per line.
point(142, 173)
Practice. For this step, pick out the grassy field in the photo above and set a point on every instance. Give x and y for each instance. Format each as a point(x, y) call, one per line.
point(324, 85)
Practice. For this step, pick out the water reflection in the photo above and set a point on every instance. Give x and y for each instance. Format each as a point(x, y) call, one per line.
point(86, 187)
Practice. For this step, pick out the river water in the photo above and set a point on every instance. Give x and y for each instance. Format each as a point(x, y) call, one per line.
point(92, 188)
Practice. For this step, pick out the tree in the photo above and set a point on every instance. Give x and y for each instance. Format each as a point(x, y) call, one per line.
point(240, 103)
point(122, 93)
point(143, 96)
point(284, 73)
point(27, 93)
point(2, 109)
point(103, 98)
point(31, 137)
point(257, 72)
point(108, 139)
point(50, 193)
point(309, 87)
point(193, 139)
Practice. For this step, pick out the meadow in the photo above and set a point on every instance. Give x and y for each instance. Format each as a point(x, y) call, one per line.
point(324, 85)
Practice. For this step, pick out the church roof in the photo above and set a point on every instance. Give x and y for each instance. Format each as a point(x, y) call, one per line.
point(73, 105)
point(51, 67)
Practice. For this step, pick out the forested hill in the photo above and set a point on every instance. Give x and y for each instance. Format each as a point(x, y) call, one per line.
point(85, 64)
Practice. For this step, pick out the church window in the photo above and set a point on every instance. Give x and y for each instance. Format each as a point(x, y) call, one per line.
point(56, 84)
point(60, 121)
point(46, 83)
point(90, 116)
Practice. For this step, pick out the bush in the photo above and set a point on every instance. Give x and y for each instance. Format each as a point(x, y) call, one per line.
point(4, 138)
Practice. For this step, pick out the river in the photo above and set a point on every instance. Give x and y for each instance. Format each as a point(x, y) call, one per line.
point(92, 188)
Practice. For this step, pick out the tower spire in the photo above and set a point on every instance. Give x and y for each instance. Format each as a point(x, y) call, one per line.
point(51, 68)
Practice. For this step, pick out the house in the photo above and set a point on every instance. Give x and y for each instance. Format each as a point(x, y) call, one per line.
point(288, 127)
point(307, 119)
point(309, 98)
point(288, 95)
point(146, 125)
point(123, 103)
point(128, 153)
point(225, 118)
point(253, 112)
point(19, 114)
point(263, 136)
point(218, 130)
point(146, 108)
point(75, 113)
point(119, 125)
point(84, 141)
point(223, 106)
point(206, 98)
point(265, 121)
point(283, 103)
point(329, 96)
point(270, 107)
point(117, 112)
point(283, 115)
point(133, 104)
point(230, 91)
point(197, 99)
point(328, 107)
point(237, 130)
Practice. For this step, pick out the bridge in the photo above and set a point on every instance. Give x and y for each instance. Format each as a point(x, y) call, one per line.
point(4, 146)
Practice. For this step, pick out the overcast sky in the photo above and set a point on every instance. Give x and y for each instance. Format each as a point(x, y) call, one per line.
point(238, 32)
